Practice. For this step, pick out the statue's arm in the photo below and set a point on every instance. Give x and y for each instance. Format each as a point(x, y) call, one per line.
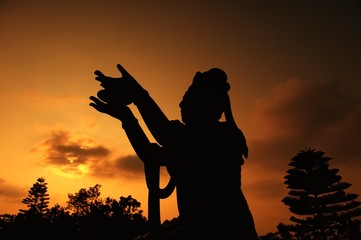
point(145, 150)
point(156, 121)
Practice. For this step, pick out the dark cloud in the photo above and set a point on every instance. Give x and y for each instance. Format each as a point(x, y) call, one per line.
point(128, 166)
point(294, 115)
point(62, 150)
point(298, 114)
point(130, 163)
point(80, 156)
point(11, 191)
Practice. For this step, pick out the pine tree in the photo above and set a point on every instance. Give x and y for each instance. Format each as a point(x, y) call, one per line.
point(37, 200)
point(318, 196)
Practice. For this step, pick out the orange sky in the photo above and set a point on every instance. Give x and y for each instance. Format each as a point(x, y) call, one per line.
point(294, 70)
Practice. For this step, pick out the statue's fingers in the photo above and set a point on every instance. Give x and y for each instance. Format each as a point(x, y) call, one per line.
point(98, 104)
point(99, 73)
point(97, 107)
point(122, 70)
point(101, 77)
point(93, 105)
point(105, 83)
point(96, 100)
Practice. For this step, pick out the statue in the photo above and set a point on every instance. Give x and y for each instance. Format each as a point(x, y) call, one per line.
point(202, 154)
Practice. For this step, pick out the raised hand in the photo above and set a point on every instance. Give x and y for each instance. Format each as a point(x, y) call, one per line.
point(106, 80)
point(120, 90)
point(116, 111)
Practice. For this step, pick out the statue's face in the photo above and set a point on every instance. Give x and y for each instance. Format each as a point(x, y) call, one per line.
point(199, 104)
point(192, 107)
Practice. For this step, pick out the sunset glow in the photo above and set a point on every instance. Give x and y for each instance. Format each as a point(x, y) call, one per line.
point(294, 70)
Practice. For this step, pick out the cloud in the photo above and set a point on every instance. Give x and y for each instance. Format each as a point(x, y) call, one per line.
point(291, 116)
point(63, 150)
point(131, 165)
point(11, 191)
point(73, 156)
point(298, 114)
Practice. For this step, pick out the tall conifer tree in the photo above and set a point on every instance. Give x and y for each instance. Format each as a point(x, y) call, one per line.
point(37, 200)
point(319, 199)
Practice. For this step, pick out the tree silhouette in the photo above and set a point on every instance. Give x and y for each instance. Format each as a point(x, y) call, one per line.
point(37, 200)
point(83, 201)
point(319, 199)
point(32, 221)
point(86, 217)
point(99, 218)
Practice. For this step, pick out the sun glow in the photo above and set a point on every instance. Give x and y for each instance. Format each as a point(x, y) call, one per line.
point(71, 170)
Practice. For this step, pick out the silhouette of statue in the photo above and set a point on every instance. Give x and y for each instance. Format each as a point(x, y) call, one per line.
point(202, 154)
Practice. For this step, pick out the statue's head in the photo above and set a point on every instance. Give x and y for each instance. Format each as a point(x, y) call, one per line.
point(206, 98)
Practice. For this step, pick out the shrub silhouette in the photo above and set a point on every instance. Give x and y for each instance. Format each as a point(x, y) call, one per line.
point(86, 217)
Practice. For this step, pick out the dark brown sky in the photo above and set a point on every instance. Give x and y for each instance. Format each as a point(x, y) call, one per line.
point(294, 69)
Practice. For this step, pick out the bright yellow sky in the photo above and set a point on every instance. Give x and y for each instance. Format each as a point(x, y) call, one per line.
point(294, 71)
